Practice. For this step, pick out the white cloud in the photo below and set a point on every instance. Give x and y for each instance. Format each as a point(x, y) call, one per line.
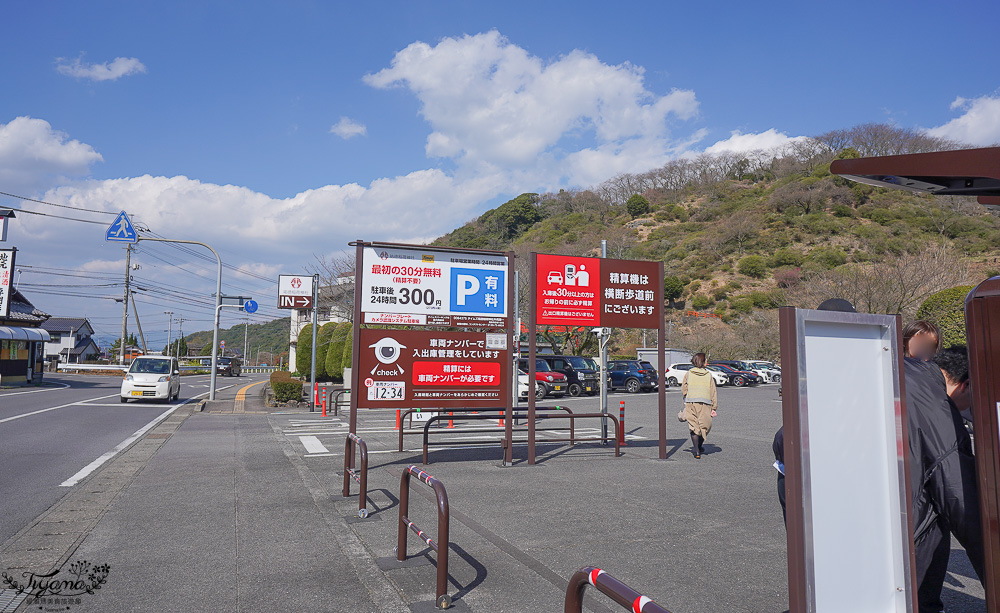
point(490, 101)
point(34, 157)
point(739, 142)
point(978, 125)
point(108, 71)
point(347, 128)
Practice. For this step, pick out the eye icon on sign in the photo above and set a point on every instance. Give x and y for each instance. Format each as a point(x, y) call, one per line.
point(387, 351)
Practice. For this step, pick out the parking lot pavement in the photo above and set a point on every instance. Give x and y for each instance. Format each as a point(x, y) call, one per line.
point(694, 535)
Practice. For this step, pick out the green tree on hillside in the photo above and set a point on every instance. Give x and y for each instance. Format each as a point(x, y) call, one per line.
point(672, 289)
point(753, 266)
point(637, 205)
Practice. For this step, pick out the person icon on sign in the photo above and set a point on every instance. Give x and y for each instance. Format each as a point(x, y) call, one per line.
point(582, 276)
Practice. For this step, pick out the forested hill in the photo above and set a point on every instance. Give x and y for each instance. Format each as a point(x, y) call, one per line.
point(270, 337)
point(741, 234)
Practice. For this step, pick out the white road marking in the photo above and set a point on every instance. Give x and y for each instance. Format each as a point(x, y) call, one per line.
point(312, 445)
point(319, 455)
point(62, 406)
point(49, 389)
point(89, 468)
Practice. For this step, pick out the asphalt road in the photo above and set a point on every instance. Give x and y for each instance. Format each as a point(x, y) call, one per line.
point(50, 437)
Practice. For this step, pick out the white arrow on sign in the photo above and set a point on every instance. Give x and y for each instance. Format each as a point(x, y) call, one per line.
point(294, 302)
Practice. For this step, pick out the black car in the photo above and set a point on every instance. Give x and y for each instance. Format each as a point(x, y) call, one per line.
point(739, 378)
point(230, 367)
point(580, 373)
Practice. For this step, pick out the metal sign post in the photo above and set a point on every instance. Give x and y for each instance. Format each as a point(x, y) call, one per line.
point(312, 374)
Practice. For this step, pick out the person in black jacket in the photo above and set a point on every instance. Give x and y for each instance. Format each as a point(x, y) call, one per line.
point(942, 474)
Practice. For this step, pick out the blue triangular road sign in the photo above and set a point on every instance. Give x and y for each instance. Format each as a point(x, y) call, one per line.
point(121, 230)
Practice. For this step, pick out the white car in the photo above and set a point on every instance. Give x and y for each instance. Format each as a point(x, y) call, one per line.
point(152, 378)
point(522, 385)
point(677, 373)
point(768, 370)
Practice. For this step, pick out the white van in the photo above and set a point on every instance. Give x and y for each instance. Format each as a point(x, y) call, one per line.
point(152, 377)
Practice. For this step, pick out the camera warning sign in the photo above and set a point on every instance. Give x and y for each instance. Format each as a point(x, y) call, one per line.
point(433, 369)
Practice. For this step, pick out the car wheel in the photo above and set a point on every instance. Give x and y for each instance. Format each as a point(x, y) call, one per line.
point(776, 379)
point(632, 386)
point(124, 399)
point(672, 382)
point(575, 389)
point(539, 391)
point(739, 382)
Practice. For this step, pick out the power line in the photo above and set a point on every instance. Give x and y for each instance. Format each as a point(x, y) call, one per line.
point(64, 206)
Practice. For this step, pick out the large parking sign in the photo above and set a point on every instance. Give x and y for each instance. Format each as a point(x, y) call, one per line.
point(423, 287)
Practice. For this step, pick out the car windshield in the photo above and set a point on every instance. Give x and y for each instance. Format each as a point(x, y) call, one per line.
point(577, 362)
point(149, 366)
point(225, 360)
point(716, 368)
point(540, 366)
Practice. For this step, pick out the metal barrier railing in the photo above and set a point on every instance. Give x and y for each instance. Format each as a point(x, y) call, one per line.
point(360, 475)
point(609, 586)
point(515, 415)
point(572, 417)
point(442, 600)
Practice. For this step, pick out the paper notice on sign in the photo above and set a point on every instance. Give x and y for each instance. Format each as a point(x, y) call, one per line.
point(387, 390)
point(496, 341)
point(398, 319)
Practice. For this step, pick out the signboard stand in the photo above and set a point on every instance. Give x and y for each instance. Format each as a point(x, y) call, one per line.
point(419, 292)
point(596, 292)
point(982, 321)
point(846, 463)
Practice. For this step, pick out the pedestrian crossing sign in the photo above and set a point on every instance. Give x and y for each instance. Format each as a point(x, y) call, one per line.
point(121, 230)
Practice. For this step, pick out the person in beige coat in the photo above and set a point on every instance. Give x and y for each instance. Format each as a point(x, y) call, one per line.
point(700, 402)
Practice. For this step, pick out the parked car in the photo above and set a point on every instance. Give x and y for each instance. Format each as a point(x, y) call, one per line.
point(153, 378)
point(772, 373)
point(738, 365)
point(632, 375)
point(677, 372)
point(581, 377)
point(230, 367)
point(522, 384)
point(547, 383)
point(739, 378)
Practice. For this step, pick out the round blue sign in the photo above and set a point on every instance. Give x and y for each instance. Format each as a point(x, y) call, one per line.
point(250, 306)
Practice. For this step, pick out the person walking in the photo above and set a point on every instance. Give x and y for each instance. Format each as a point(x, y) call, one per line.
point(700, 402)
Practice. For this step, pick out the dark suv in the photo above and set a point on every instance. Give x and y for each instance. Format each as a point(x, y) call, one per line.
point(230, 367)
point(633, 375)
point(581, 374)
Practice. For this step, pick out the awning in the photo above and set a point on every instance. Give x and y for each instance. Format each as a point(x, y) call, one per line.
point(14, 333)
point(962, 172)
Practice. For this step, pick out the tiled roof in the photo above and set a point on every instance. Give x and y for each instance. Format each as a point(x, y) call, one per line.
point(21, 310)
point(65, 324)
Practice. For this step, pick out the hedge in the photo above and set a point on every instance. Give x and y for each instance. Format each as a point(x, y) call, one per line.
point(285, 388)
point(946, 310)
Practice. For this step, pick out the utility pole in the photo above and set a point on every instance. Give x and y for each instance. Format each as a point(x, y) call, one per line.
point(180, 336)
point(142, 336)
point(246, 336)
point(128, 275)
point(170, 328)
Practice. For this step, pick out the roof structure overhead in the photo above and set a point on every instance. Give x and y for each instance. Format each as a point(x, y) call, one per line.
point(961, 172)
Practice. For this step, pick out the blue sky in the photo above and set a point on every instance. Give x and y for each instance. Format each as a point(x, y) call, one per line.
point(279, 131)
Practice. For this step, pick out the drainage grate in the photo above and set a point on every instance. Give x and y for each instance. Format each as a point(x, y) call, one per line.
point(10, 600)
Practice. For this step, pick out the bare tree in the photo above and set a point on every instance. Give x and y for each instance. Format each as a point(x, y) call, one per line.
point(893, 285)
